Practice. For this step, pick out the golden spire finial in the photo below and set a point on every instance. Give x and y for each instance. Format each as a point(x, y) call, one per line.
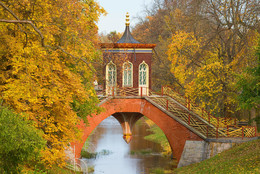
point(127, 23)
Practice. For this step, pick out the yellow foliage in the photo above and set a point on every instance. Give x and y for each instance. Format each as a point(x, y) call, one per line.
point(208, 75)
point(44, 82)
point(181, 51)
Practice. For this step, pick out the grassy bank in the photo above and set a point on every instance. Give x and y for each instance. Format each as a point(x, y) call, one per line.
point(244, 158)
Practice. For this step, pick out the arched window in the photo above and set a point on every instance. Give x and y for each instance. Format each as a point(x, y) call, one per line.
point(143, 79)
point(143, 74)
point(128, 74)
point(111, 74)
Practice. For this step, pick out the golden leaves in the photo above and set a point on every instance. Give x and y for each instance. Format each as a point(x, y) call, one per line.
point(181, 53)
point(44, 82)
point(206, 76)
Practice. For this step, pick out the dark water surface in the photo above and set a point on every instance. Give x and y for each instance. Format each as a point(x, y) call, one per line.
point(122, 158)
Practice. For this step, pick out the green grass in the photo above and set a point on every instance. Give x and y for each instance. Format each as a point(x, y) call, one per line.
point(91, 169)
point(89, 155)
point(244, 158)
point(157, 171)
point(58, 170)
point(53, 170)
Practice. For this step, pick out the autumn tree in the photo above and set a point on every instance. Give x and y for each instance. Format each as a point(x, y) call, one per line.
point(209, 42)
point(152, 29)
point(249, 90)
point(225, 50)
point(47, 50)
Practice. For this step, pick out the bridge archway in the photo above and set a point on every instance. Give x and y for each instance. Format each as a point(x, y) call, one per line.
point(176, 133)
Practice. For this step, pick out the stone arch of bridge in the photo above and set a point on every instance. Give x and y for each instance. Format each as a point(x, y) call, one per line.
point(176, 133)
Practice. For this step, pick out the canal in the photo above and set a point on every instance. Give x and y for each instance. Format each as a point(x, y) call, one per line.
point(115, 156)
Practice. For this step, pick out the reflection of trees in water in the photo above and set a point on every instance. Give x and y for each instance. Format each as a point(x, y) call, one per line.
point(93, 140)
point(138, 142)
point(140, 162)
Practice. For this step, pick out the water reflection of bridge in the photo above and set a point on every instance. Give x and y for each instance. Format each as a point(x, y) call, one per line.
point(121, 156)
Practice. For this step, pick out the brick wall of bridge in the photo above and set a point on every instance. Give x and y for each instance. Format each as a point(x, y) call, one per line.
point(176, 133)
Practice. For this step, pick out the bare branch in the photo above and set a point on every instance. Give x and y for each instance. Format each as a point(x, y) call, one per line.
point(10, 11)
point(176, 80)
point(16, 17)
point(25, 22)
point(18, 21)
point(58, 47)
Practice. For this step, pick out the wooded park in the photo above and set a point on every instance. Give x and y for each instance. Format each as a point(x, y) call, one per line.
point(207, 50)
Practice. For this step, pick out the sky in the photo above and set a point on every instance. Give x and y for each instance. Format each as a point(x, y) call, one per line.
point(117, 9)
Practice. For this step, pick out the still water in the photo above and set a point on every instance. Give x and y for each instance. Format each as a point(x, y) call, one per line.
point(123, 158)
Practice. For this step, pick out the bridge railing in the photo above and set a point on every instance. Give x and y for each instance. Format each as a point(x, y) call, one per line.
point(185, 116)
point(126, 91)
point(220, 122)
point(224, 125)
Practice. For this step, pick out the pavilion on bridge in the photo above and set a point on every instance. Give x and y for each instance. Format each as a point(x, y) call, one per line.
point(127, 64)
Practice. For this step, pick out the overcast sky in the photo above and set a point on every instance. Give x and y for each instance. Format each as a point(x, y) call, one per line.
point(116, 9)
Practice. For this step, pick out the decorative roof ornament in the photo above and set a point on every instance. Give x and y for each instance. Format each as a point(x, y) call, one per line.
point(127, 36)
point(127, 20)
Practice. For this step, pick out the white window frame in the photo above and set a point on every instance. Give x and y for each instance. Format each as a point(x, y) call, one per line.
point(131, 69)
point(145, 87)
point(110, 87)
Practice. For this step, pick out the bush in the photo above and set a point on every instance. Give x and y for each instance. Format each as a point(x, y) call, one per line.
point(20, 141)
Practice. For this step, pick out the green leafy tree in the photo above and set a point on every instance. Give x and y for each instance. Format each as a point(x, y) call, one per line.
point(20, 143)
point(249, 85)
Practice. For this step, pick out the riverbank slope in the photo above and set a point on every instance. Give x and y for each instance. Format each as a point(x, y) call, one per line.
point(243, 158)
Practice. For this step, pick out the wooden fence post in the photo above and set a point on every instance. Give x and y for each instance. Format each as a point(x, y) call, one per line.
point(208, 118)
point(113, 91)
point(188, 103)
point(189, 109)
point(227, 130)
point(242, 133)
point(207, 131)
point(162, 90)
point(217, 133)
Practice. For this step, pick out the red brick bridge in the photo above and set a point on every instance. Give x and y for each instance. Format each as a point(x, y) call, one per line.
point(176, 116)
point(128, 97)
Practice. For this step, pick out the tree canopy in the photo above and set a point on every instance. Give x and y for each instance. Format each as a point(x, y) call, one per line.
point(46, 53)
point(204, 44)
